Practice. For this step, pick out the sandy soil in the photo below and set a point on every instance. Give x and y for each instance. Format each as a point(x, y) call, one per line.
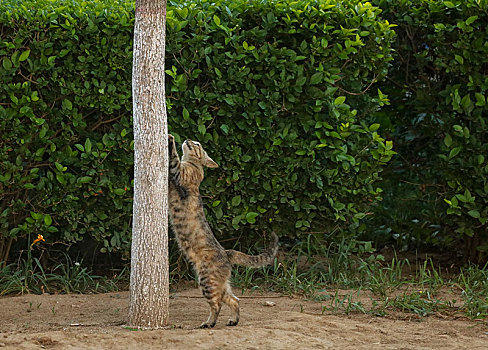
point(96, 322)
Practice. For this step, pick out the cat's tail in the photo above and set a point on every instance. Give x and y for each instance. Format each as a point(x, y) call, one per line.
point(263, 259)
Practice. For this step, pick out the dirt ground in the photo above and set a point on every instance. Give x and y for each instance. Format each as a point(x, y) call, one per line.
point(268, 321)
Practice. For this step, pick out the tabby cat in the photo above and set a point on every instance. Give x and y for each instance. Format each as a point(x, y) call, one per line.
point(211, 261)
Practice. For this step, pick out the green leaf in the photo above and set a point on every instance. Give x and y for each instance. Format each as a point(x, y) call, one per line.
point(236, 200)
point(374, 127)
point(301, 81)
point(466, 102)
point(481, 159)
point(316, 78)
point(36, 216)
point(88, 146)
point(471, 20)
point(448, 140)
point(449, 4)
point(39, 121)
point(14, 231)
point(225, 128)
point(201, 129)
point(236, 220)
point(119, 191)
point(24, 55)
point(474, 213)
point(84, 179)
point(439, 26)
point(7, 64)
point(218, 213)
point(454, 152)
point(67, 104)
point(216, 20)
point(106, 139)
point(338, 206)
point(480, 99)
point(339, 100)
point(48, 220)
point(58, 166)
point(186, 114)
point(34, 96)
point(251, 217)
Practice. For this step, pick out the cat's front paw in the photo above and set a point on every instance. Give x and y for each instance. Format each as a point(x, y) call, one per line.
point(171, 141)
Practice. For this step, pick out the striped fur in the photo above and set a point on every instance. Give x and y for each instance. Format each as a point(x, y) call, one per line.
point(210, 260)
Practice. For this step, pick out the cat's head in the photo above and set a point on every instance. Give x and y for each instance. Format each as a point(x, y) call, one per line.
point(193, 150)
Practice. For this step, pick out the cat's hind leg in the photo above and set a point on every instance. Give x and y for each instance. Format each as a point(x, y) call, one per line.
point(233, 302)
point(215, 304)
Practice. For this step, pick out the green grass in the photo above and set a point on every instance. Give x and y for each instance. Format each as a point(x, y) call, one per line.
point(347, 303)
point(385, 280)
point(345, 276)
point(29, 276)
point(346, 281)
point(473, 283)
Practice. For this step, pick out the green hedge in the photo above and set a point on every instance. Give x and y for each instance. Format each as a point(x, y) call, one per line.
point(65, 159)
point(438, 90)
point(279, 93)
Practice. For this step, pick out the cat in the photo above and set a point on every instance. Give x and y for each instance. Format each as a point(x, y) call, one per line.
point(211, 261)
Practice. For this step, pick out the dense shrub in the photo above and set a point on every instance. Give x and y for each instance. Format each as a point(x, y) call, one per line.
point(279, 93)
point(438, 90)
point(65, 159)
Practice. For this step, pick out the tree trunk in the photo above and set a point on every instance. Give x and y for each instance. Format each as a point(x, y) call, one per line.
point(149, 278)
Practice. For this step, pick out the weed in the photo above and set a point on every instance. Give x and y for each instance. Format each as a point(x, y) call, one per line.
point(473, 283)
point(382, 281)
point(346, 303)
point(29, 276)
point(244, 278)
point(419, 303)
point(71, 277)
point(311, 266)
point(307, 267)
point(428, 277)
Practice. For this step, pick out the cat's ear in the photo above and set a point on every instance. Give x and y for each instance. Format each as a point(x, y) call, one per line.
point(208, 162)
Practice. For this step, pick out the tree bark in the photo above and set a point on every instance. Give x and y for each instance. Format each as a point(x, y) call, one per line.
point(149, 278)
